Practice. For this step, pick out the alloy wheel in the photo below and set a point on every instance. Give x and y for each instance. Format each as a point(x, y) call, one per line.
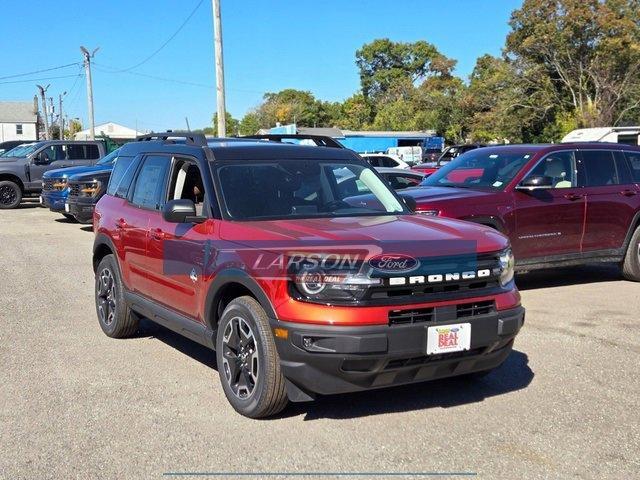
point(240, 357)
point(106, 297)
point(8, 195)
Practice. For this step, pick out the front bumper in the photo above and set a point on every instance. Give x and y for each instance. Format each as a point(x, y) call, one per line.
point(54, 201)
point(81, 208)
point(348, 359)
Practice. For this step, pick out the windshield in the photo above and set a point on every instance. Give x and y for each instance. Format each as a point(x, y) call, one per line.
point(109, 159)
point(482, 168)
point(22, 150)
point(304, 189)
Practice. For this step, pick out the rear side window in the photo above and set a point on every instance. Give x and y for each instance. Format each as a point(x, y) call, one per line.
point(92, 152)
point(398, 182)
point(634, 163)
point(75, 152)
point(388, 162)
point(121, 176)
point(601, 168)
point(148, 191)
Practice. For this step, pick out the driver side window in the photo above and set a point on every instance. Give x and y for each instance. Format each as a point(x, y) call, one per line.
point(560, 167)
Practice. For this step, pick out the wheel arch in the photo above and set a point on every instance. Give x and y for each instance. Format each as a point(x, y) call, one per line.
point(226, 286)
point(103, 246)
point(12, 178)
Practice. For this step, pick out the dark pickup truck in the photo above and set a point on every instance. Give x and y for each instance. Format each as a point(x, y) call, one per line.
point(21, 173)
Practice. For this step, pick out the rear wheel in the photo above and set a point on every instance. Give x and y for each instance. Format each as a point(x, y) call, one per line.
point(69, 217)
point(631, 263)
point(10, 194)
point(248, 363)
point(116, 319)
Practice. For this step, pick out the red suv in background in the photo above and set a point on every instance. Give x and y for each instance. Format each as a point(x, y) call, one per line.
point(559, 204)
point(300, 283)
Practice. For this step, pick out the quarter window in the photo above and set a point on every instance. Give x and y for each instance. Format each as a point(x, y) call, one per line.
point(149, 187)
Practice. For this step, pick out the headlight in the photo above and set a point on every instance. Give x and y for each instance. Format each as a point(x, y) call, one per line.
point(507, 264)
point(433, 213)
point(90, 189)
point(60, 184)
point(347, 284)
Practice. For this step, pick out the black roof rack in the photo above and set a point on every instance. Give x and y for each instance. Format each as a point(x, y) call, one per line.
point(190, 137)
point(319, 140)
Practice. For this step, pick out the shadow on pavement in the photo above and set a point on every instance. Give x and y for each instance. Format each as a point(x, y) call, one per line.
point(580, 275)
point(514, 374)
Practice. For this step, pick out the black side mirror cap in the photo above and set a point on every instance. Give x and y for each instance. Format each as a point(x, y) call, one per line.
point(181, 211)
point(410, 202)
point(536, 181)
point(40, 159)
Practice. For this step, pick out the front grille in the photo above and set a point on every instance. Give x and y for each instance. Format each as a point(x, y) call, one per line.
point(53, 184)
point(448, 313)
point(435, 291)
point(401, 317)
point(475, 308)
point(47, 183)
point(414, 361)
point(74, 190)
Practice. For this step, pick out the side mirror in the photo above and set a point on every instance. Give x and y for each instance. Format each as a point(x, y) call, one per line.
point(41, 159)
point(181, 211)
point(410, 202)
point(535, 182)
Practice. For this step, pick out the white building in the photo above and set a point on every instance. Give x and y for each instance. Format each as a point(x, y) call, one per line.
point(114, 131)
point(18, 121)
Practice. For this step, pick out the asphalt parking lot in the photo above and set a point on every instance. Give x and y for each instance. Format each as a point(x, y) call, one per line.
point(76, 404)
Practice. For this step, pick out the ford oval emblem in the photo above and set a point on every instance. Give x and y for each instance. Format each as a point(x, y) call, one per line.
point(394, 262)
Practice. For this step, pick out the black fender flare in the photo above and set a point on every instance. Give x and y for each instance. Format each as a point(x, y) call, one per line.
point(103, 240)
point(635, 223)
point(241, 277)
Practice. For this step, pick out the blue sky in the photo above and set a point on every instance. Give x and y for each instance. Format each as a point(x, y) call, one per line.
point(268, 46)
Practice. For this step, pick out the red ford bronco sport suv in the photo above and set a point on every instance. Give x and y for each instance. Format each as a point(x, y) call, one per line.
point(560, 205)
point(301, 283)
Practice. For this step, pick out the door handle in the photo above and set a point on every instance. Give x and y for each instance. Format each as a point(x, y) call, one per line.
point(573, 196)
point(157, 234)
point(628, 193)
point(121, 224)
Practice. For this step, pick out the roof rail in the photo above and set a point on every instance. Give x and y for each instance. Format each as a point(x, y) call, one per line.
point(190, 137)
point(319, 140)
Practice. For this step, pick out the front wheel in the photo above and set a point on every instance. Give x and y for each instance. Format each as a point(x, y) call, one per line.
point(631, 263)
point(10, 194)
point(248, 363)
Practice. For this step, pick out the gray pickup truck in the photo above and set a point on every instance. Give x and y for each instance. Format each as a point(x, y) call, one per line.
point(21, 168)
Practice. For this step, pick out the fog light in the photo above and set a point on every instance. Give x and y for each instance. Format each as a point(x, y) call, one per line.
point(282, 333)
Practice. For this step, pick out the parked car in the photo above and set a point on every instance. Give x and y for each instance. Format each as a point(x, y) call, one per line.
point(449, 154)
point(11, 144)
point(560, 205)
point(387, 160)
point(61, 184)
point(22, 174)
point(189, 235)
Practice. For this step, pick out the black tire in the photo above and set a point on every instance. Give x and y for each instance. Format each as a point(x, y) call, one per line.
point(10, 195)
point(116, 319)
point(631, 263)
point(255, 390)
point(69, 217)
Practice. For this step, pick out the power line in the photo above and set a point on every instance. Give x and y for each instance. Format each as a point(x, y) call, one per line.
point(38, 71)
point(166, 42)
point(39, 79)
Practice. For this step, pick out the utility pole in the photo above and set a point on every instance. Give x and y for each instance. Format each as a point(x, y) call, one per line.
point(87, 69)
point(60, 117)
point(217, 39)
point(43, 91)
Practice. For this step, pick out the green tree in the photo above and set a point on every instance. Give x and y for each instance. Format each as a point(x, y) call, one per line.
point(584, 55)
point(384, 64)
point(249, 125)
point(231, 125)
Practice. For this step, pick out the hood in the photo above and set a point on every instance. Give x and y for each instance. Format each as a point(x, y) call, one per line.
point(13, 160)
point(97, 171)
point(410, 234)
point(67, 172)
point(434, 194)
